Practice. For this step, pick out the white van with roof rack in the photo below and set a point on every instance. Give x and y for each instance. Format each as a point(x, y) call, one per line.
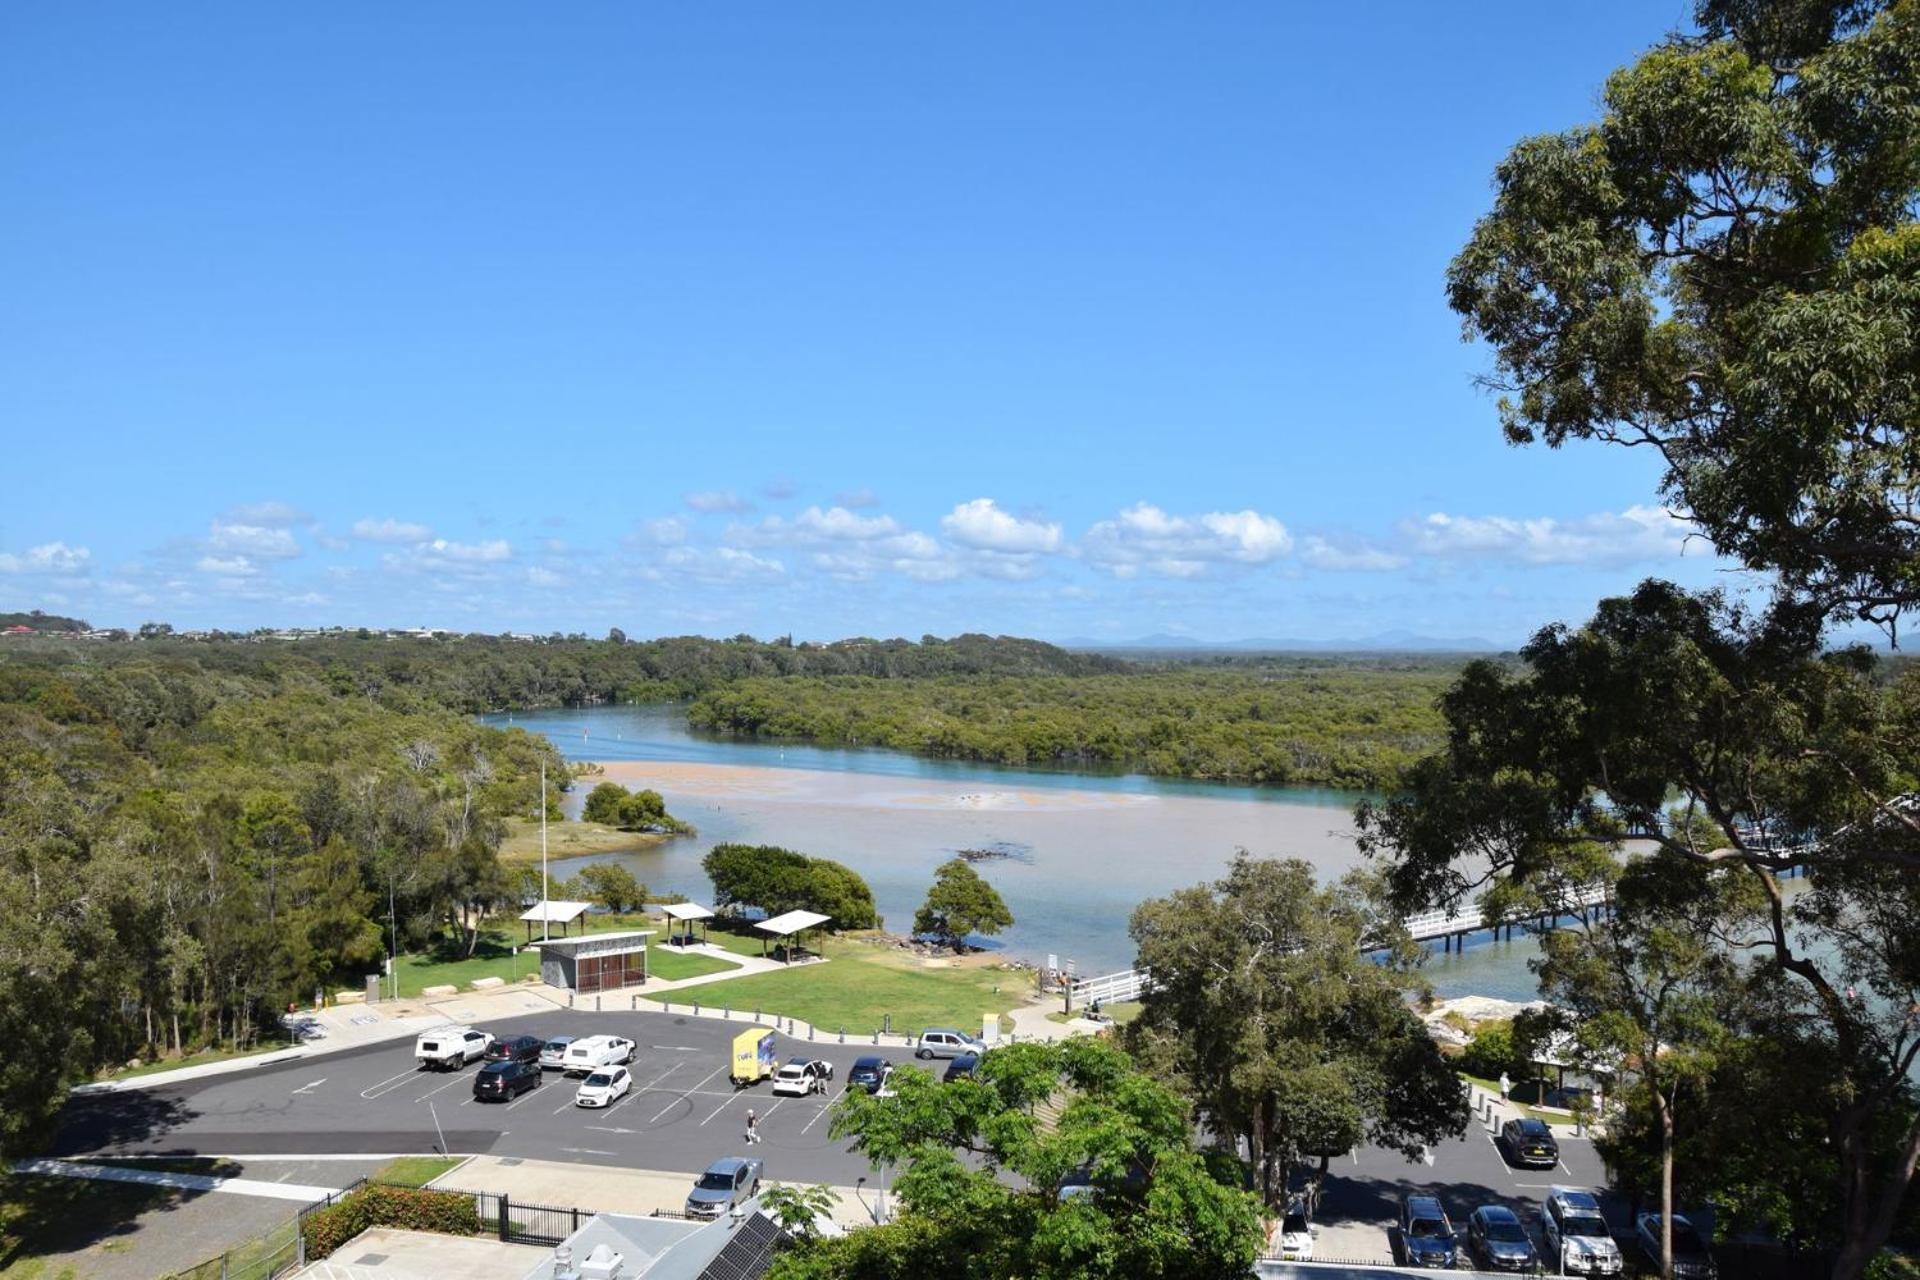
point(583, 1056)
point(450, 1048)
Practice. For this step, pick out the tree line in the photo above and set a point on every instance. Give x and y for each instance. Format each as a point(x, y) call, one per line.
point(1299, 723)
point(187, 849)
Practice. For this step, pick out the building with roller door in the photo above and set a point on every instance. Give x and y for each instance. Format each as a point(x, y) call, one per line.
point(595, 961)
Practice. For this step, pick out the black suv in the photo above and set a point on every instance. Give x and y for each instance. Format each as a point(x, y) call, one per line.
point(870, 1073)
point(504, 1081)
point(1529, 1143)
point(962, 1067)
point(518, 1049)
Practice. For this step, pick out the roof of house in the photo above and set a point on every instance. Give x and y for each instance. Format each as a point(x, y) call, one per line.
point(674, 1249)
point(792, 922)
point(687, 911)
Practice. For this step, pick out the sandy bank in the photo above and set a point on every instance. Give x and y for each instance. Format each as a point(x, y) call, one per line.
point(720, 782)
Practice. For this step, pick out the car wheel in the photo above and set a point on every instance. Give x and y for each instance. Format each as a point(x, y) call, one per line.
point(923, 1053)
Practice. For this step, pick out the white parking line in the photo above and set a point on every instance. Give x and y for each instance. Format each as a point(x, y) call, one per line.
point(388, 1085)
point(818, 1112)
point(523, 1097)
point(717, 1110)
point(441, 1088)
point(309, 1087)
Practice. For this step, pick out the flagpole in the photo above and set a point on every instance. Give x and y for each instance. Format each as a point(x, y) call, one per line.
point(545, 892)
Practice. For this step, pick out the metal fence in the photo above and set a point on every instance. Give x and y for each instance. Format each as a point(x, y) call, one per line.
point(266, 1257)
point(517, 1222)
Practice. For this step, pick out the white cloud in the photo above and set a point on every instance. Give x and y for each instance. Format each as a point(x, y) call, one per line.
point(48, 557)
point(982, 525)
point(1349, 555)
point(544, 577)
point(857, 499)
point(390, 530)
point(722, 564)
point(723, 501)
point(227, 566)
point(1637, 534)
point(1145, 537)
point(489, 552)
point(258, 540)
point(273, 515)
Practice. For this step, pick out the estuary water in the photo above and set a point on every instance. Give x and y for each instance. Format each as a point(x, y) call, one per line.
point(1075, 851)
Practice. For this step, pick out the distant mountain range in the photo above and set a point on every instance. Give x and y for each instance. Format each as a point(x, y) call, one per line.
point(1382, 642)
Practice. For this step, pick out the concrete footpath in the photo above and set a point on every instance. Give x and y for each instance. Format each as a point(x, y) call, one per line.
point(297, 1192)
point(604, 1189)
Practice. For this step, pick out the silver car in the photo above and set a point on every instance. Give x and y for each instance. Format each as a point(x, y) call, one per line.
point(553, 1054)
point(945, 1042)
point(726, 1183)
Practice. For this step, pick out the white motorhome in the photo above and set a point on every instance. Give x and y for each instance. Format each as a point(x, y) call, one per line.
point(585, 1055)
point(450, 1048)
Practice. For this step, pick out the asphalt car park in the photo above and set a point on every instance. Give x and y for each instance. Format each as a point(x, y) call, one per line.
point(1360, 1207)
point(682, 1112)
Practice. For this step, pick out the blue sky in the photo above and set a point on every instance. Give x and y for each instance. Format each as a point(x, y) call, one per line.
point(1069, 320)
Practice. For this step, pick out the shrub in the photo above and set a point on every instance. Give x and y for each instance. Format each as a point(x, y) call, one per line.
point(1493, 1050)
point(450, 1213)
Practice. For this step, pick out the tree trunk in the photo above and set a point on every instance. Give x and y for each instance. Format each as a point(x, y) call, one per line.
point(1666, 1184)
point(1868, 1232)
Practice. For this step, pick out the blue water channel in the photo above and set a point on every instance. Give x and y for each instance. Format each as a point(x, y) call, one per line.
point(1087, 846)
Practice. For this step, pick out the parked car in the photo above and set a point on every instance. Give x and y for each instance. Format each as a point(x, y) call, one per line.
point(603, 1088)
point(1691, 1260)
point(553, 1054)
point(505, 1081)
point(962, 1068)
point(518, 1049)
point(870, 1073)
point(585, 1055)
point(945, 1042)
point(1498, 1241)
point(1529, 1144)
point(726, 1183)
point(450, 1048)
point(802, 1076)
point(1426, 1236)
point(1578, 1241)
point(1296, 1235)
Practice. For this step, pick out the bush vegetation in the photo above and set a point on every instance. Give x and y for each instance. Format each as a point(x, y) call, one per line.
point(378, 1205)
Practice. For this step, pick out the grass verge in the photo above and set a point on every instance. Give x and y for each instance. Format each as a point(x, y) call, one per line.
point(201, 1058)
point(416, 1171)
point(676, 966)
point(863, 984)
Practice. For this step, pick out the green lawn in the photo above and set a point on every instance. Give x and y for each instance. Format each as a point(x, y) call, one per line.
point(861, 984)
point(673, 966)
point(1122, 1013)
point(417, 1171)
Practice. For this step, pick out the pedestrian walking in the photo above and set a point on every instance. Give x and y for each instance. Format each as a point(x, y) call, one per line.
point(753, 1126)
point(1505, 1085)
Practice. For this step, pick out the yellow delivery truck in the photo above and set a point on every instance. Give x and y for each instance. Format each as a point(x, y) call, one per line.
point(752, 1057)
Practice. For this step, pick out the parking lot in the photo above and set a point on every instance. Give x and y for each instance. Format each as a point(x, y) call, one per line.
point(682, 1113)
point(1364, 1190)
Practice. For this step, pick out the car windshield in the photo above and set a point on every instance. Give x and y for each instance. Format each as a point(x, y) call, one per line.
point(1506, 1231)
point(716, 1182)
point(1584, 1224)
point(1427, 1229)
point(1295, 1225)
point(792, 1073)
point(599, 1077)
point(556, 1046)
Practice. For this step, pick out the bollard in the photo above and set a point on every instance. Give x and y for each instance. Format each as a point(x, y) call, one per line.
point(596, 1004)
point(569, 999)
point(843, 1033)
point(696, 1008)
point(756, 1013)
point(809, 1031)
point(876, 1037)
point(726, 1011)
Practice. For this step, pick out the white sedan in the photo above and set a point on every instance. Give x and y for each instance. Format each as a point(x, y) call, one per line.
point(801, 1077)
point(603, 1088)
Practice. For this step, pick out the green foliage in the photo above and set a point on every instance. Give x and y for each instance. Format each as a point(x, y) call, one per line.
point(1289, 1035)
point(377, 1205)
point(798, 1208)
point(1493, 1052)
point(960, 903)
point(1303, 722)
point(779, 880)
point(1156, 1208)
point(613, 805)
point(612, 886)
point(1725, 266)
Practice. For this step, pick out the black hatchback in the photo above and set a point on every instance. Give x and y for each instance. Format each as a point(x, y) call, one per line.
point(962, 1067)
point(870, 1073)
point(503, 1081)
point(518, 1049)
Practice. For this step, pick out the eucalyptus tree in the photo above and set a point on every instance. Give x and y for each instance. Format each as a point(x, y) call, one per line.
point(1777, 756)
point(1724, 269)
point(1297, 1042)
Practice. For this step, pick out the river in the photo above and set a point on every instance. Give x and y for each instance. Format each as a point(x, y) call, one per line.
point(1083, 849)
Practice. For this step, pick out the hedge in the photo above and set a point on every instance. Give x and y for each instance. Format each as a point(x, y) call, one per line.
point(450, 1213)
